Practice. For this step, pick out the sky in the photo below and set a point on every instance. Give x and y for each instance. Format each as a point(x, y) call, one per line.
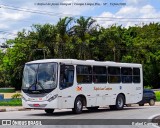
point(16, 15)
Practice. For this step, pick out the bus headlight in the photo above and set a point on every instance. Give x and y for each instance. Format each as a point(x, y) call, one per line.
point(52, 98)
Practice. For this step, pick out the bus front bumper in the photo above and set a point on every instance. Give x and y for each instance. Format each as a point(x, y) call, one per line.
point(40, 105)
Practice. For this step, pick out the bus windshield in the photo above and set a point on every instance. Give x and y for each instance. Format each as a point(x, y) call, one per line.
point(40, 77)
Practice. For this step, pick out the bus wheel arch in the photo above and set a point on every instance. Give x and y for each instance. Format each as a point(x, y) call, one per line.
point(79, 102)
point(120, 102)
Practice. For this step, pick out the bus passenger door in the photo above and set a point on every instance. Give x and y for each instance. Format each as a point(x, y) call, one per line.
point(103, 95)
point(100, 85)
point(66, 82)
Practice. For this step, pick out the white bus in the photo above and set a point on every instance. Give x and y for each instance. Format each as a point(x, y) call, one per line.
point(69, 83)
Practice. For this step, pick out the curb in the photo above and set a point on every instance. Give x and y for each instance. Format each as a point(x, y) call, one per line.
point(14, 109)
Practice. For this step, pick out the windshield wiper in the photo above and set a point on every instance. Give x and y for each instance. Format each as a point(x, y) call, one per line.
point(31, 86)
point(40, 84)
point(36, 91)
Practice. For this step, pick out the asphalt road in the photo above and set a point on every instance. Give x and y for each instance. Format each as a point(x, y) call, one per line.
point(135, 112)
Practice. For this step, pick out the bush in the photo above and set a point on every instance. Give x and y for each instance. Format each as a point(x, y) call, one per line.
point(157, 95)
point(17, 95)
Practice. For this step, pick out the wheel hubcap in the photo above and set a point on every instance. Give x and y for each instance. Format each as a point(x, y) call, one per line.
point(152, 102)
point(79, 105)
point(120, 102)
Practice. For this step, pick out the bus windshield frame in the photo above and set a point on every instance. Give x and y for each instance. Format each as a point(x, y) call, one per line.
point(40, 77)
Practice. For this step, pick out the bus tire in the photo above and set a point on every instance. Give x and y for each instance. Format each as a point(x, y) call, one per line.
point(78, 105)
point(152, 102)
point(49, 111)
point(120, 101)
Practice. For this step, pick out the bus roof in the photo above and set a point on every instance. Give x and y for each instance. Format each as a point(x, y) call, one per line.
point(86, 62)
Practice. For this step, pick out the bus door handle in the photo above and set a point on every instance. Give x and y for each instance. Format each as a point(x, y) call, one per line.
point(106, 94)
point(128, 93)
point(69, 96)
point(97, 94)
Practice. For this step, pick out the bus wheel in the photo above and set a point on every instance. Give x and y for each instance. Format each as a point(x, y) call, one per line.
point(78, 105)
point(49, 111)
point(120, 102)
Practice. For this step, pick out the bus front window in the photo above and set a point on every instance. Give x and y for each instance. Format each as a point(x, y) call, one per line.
point(40, 77)
point(29, 76)
point(47, 75)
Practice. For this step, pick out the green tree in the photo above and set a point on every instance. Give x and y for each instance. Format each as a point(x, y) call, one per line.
point(44, 38)
point(82, 31)
point(63, 30)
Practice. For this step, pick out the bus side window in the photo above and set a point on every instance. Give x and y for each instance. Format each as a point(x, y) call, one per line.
point(84, 74)
point(70, 76)
point(126, 74)
point(136, 75)
point(79, 79)
point(114, 75)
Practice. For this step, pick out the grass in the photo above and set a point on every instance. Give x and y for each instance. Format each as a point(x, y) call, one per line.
point(7, 90)
point(157, 95)
point(11, 102)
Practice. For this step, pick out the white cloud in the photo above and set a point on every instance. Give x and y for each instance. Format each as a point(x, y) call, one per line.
point(105, 22)
point(3, 26)
point(127, 11)
point(11, 14)
point(130, 16)
point(147, 9)
point(11, 19)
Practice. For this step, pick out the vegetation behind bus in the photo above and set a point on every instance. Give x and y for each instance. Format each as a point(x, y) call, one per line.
point(157, 95)
point(82, 40)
